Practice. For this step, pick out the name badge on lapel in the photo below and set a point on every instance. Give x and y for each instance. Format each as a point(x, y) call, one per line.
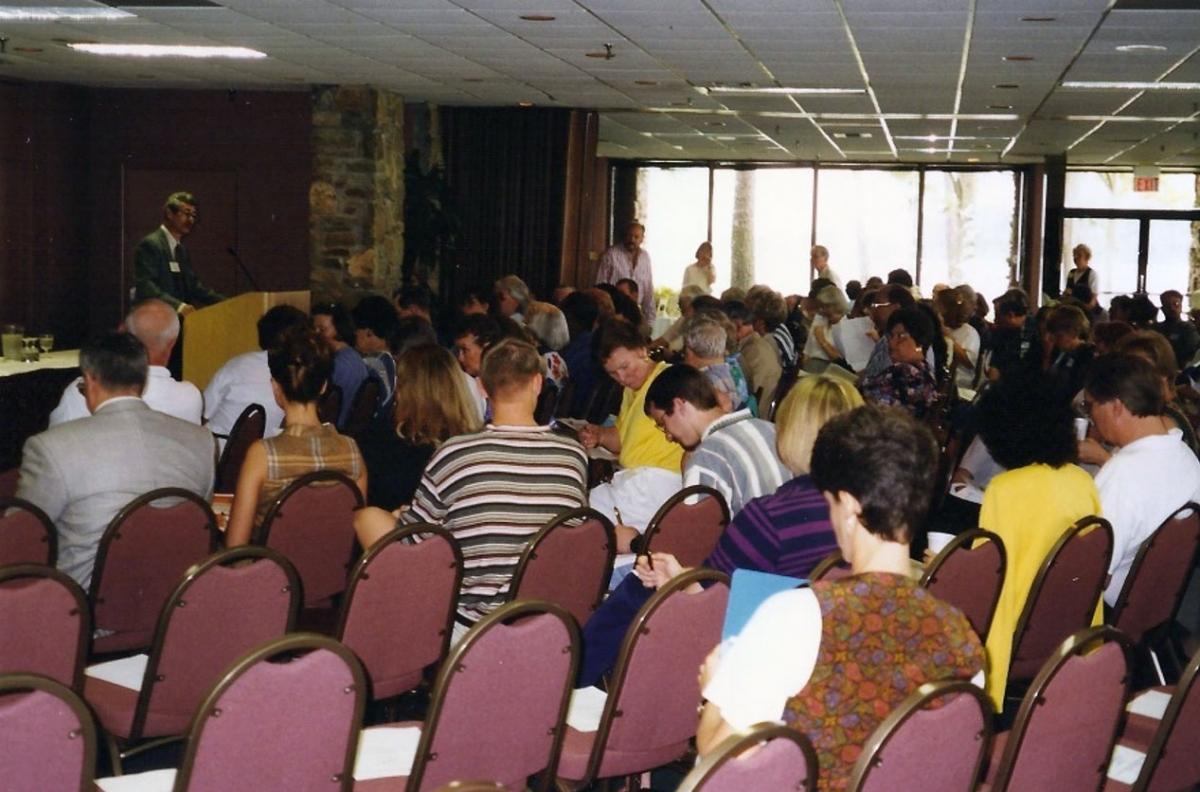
point(174, 265)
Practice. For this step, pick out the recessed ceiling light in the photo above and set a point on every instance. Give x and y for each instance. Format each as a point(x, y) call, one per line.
point(1141, 48)
point(972, 159)
point(537, 17)
point(725, 137)
point(714, 123)
point(1006, 86)
point(1038, 19)
point(778, 91)
point(57, 13)
point(1100, 85)
point(167, 51)
point(1000, 107)
point(525, 104)
point(1018, 58)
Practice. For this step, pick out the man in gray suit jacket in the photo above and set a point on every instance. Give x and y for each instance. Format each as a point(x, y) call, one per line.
point(81, 473)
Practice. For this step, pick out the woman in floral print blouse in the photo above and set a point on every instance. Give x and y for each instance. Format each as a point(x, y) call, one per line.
point(834, 659)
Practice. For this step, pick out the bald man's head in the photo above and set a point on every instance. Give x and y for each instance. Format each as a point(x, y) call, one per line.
point(156, 325)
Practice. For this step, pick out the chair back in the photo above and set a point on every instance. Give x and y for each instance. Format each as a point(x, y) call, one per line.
point(220, 610)
point(650, 714)
point(249, 426)
point(569, 563)
point(935, 741)
point(398, 612)
point(970, 577)
point(784, 759)
point(547, 401)
point(144, 552)
point(26, 534)
point(1172, 761)
point(1067, 722)
point(787, 379)
point(329, 407)
point(689, 531)
point(45, 624)
point(1159, 574)
point(604, 401)
point(363, 406)
point(312, 524)
point(9, 481)
point(831, 567)
point(512, 671)
point(309, 706)
point(566, 397)
point(49, 736)
point(1063, 596)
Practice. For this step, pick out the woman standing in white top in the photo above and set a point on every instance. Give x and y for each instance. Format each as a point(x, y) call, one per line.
point(701, 273)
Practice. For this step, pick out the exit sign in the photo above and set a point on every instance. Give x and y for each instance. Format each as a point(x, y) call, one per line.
point(1145, 184)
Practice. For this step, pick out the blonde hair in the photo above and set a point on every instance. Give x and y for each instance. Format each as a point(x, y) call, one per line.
point(808, 406)
point(432, 403)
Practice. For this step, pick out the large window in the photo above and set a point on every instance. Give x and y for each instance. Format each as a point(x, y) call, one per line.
point(868, 220)
point(673, 205)
point(762, 224)
point(1116, 219)
point(762, 227)
point(969, 234)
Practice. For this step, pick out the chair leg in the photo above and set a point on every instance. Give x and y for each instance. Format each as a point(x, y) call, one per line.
point(114, 754)
point(1162, 680)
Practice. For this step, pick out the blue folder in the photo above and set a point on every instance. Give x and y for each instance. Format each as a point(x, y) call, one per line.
point(747, 590)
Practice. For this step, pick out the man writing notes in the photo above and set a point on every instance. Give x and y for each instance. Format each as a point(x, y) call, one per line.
point(162, 267)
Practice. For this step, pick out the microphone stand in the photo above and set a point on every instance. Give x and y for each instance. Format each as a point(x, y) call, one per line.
point(245, 271)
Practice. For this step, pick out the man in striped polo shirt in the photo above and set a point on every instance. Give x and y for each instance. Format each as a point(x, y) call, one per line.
point(732, 452)
point(494, 489)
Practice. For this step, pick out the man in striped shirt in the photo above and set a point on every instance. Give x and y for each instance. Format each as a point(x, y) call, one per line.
point(493, 490)
point(733, 453)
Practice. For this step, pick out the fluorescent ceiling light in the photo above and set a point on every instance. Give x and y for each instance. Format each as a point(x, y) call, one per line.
point(1141, 48)
point(167, 51)
point(55, 13)
point(733, 90)
point(1100, 85)
point(1117, 119)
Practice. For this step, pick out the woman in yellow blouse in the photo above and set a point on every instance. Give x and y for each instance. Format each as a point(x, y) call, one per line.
point(650, 461)
point(1029, 430)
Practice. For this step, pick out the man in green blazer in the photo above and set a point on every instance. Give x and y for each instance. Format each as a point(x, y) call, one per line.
point(162, 267)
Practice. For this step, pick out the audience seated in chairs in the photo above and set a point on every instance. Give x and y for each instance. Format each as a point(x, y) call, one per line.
point(246, 379)
point(333, 323)
point(299, 367)
point(548, 327)
point(758, 357)
point(81, 473)
point(704, 343)
point(1151, 473)
point(783, 529)
point(810, 655)
point(495, 489)
point(1028, 427)
point(432, 405)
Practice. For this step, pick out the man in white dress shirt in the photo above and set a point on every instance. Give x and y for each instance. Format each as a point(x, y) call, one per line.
point(156, 325)
point(1152, 473)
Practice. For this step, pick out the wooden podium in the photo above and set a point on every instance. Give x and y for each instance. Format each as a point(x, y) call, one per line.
point(214, 334)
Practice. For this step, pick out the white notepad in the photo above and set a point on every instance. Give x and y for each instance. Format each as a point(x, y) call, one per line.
point(1125, 764)
point(585, 709)
point(126, 672)
point(386, 752)
point(152, 781)
point(1151, 704)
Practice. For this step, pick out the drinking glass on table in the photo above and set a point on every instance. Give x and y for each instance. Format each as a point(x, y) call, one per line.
point(46, 342)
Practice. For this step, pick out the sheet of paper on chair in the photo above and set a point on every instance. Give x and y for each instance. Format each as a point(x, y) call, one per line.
point(386, 752)
point(1151, 704)
point(126, 672)
point(151, 781)
point(585, 709)
point(1125, 765)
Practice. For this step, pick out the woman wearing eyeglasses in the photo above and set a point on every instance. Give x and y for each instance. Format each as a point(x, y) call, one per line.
point(908, 382)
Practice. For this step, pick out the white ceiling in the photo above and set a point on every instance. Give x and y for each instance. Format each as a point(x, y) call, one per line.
point(928, 68)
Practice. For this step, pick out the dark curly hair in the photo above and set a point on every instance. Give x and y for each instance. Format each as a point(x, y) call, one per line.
point(886, 459)
point(301, 364)
point(1024, 421)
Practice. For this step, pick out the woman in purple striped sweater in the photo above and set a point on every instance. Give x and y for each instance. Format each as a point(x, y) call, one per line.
point(786, 532)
